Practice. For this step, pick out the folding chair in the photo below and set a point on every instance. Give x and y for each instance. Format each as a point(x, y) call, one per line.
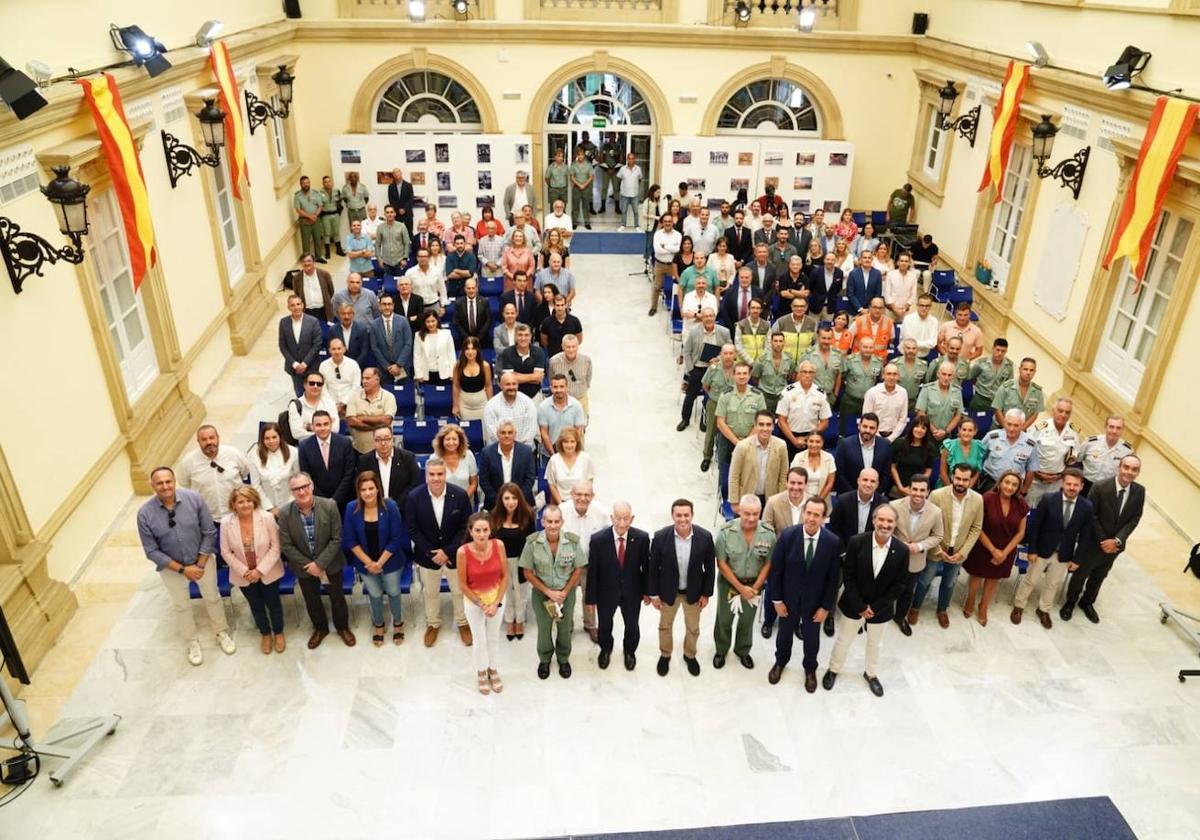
point(491, 287)
point(406, 399)
point(473, 429)
point(941, 282)
point(860, 218)
point(983, 422)
point(437, 400)
point(416, 435)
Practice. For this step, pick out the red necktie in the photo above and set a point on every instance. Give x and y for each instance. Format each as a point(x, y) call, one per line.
point(621, 552)
point(471, 315)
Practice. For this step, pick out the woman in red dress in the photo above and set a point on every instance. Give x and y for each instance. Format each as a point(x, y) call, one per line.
point(991, 560)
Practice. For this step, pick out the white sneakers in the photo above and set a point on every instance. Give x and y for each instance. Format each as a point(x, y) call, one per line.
point(621, 229)
point(226, 643)
point(195, 654)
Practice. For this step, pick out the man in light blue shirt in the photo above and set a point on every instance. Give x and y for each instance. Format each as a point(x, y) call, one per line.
point(557, 413)
point(561, 277)
point(363, 301)
point(360, 249)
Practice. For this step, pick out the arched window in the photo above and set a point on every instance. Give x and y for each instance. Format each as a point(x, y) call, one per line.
point(425, 100)
point(770, 105)
point(599, 95)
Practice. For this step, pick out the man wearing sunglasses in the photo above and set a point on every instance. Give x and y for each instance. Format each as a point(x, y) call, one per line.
point(178, 535)
point(214, 470)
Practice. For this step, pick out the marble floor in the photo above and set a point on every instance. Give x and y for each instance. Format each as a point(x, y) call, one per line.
point(354, 742)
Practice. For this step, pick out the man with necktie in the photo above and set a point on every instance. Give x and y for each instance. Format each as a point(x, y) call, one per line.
point(618, 562)
point(391, 342)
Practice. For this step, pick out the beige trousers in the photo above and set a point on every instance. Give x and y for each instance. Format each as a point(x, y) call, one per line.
point(691, 626)
point(847, 631)
point(1050, 574)
point(431, 588)
point(181, 600)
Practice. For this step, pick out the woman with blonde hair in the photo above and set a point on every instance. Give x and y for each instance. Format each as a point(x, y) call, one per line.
point(250, 546)
point(555, 244)
point(483, 580)
point(518, 256)
point(450, 444)
point(568, 466)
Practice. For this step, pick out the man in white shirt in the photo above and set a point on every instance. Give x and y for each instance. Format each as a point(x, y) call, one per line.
point(300, 411)
point(343, 377)
point(703, 232)
point(558, 218)
point(921, 327)
point(889, 402)
point(214, 471)
point(517, 195)
point(583, 517)
point(428, 282)
point(900, 286)
point(491, 247)
point(697, 300)
point(630, 176)
point(666, 244)
point(372, 222)
point(511, 404)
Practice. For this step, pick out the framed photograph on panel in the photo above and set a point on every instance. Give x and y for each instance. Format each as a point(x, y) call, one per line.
point(697, 184)
point(447, 201)
point(485, 201)
point(351, 156)
point(839, 158)
point(382, 177)
point(736, 184)
point(718, 158)
point(681, 158)
point(522, 153)
point(483, 153)
point(772, 158)
point(417, 179)
point(802, 183)
point(772, 182)
point(745, 158)
point(484, 180)
point(801, 205)
point(833, 207)
point(443, 181)
point(806, 158)
point(414, 156)
point(441, 152)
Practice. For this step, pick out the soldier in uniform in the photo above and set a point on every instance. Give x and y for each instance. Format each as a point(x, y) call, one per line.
point(1022, 393)
point(553, 562)
point(307, 204)
point(912, 369)
point(331, 209)
point(736, 412)
point(1100, 455)
point(773, 371)
point(1008, 448)
point(556, 180)
point(858, 376)
point(953, 355)
point(583, 178)
point(989, 374)
point(589, 149)
point(355, 198)
point(610, 162)
point(1056, 438)
point(828, 363)
point(716, 381)
point(941, 403)
point(803, 407)
point(743, 547)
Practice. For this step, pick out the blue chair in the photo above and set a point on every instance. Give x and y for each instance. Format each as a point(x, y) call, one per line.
point(941, 282)
point(491, 287)
point(406, 399)
point(438, 400)
point(406, 579)
point(879, 218)
point(983, 422)
point(668, 289)
point(860, 218)
point(473, 429)
point(831, 432)
point(416, 435)
point(958, 294)
point(494, 308)
point(422, 460)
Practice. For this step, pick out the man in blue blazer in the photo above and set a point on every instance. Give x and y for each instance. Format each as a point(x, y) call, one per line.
point(356, 335)
point(863, 284)
point(828, 277)
point(618, 563)
point(853, 452)
point(300, 341)
point(803, 584)
point(1060, 525)
point(673, 583)
point(391, 342)
point(330, 460)
point(436, 516)
point(492, 459)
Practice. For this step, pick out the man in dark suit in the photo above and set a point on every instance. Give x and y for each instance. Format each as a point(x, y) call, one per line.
point(506, 455)
point(408, 304)
point(803, 586)
point(740, 239)
point(354, 334)
point(436, 518)
point(852, 453)
point(853, 513)
point(330, 460)
point(863, 284)
point(735, 303)
point(1060, 527)
point(400, 197)
point(471, 315)
point(420, 241)
point(396, 467)
point(1118, 503)
point(299, 342)
point(391, 343)
point(683, 571)
point(829, 279)
point(618, 563)
point(765, 274)
point(522, 299)
point(800, 239)
point(874, 571)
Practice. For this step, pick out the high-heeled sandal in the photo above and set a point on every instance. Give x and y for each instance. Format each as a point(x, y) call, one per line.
point(508, 632)
point(519, 630)
point(967, 611)
point(982, 618)
point(484, 685)
point(494, 679)
point(377, 636)
point(397, 633)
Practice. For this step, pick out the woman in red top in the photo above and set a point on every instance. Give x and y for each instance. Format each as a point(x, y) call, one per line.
point(483, 579)
point(488, 214)
point(846, 230)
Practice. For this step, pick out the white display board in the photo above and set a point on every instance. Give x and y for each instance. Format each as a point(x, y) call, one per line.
point(1061, 256)
point(454, 171)
point(811, 174)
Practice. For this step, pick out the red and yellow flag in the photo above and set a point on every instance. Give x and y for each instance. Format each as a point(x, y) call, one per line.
point(231, 104)
point(1168, 129)
point(120, 151)
point(1004, 126)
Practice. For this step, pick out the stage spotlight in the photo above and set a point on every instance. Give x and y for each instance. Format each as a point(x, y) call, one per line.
point(806, 18)
point(1040, 57)
point(416, 11)
point(145, 51)
point(1130, 63)
point(741, 13)
point(18, 91)
point(208, 33)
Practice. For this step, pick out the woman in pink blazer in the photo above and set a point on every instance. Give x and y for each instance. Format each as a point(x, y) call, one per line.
point(250, 545)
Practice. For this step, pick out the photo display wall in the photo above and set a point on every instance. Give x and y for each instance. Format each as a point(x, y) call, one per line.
point(453, 171)
point(808, 174)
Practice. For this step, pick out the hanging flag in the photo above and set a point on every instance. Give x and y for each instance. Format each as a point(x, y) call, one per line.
point(125, 168)
point(231, 104)
point(1170, 124)
point(1004, 126)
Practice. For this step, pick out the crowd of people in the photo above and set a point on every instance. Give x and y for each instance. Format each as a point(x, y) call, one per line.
point(866, 447)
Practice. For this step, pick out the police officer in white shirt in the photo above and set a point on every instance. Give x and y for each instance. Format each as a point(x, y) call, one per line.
point(1055, 440)
point(1100, 455)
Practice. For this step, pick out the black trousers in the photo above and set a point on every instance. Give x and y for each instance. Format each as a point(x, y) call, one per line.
point(265, 606)
point(904, 602)
point(810, 632)
point(1089, 577)
point(630, 612)
point(695, 379)
point(310, 588)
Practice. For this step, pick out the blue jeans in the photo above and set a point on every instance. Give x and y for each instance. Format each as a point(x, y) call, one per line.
point(628, 205)
point(376, 586)
point(649, 255)
point(946, 590)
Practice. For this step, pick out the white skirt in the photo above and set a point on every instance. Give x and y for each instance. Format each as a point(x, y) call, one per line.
point(471, 403)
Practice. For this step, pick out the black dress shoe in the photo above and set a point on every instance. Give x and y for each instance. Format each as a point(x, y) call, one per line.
point(746, 661)
point(766, 630)
point(693, 666)
point(1090, 612)
point(705, 464)
point(775, 674)
point(828, 625)
point(587, 225)
point(630, 661)
point(683, 424)
point(876, 685)
point(603, 659)
point(718, 660)
point(904, 626)
point(564, 670)
point(1066, 611)
point(828, 680)
point(664, 665)
point(810, 681)
point(543, 670)
point(799, 636)
point(653, 311)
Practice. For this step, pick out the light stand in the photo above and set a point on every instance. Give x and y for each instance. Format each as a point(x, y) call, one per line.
point(1170, 613)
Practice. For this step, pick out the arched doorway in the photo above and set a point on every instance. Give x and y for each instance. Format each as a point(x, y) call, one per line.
point(598, 110)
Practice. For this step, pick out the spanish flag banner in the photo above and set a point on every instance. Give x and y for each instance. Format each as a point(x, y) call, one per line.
point(1168, 129)
point(231, 104)
point(1004, 126)
point(129, 185)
